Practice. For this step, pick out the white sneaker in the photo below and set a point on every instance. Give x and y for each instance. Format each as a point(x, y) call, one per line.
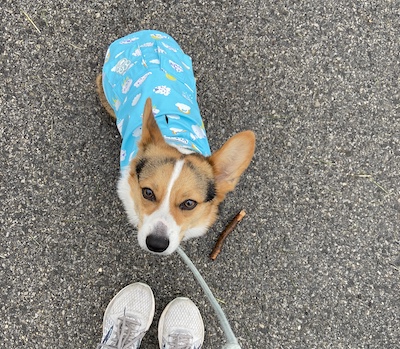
point(127, 318)
point(181, 325)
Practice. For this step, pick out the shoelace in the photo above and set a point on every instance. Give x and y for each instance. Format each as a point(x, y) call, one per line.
point(180, 340)
point(126, 336)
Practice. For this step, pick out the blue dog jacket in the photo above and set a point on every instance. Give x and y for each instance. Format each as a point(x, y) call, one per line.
point(151, 64)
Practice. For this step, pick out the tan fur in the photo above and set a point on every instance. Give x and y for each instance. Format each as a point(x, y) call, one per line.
point(103, 99)
point(190, 186)
point(151, 134)
point(187, 186)
point(231, 160)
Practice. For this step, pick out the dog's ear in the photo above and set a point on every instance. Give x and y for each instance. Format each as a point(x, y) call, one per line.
point(230, 161)
point(150, 130)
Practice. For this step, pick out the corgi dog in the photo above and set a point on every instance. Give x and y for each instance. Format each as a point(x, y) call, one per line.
point(170, 183)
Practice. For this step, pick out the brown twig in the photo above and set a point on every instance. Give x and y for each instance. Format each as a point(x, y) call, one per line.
point(218, 246)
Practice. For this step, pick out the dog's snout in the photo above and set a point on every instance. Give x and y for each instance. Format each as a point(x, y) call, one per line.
point(158, 241)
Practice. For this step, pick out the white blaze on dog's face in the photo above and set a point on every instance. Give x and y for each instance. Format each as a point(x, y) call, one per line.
point(171, 196)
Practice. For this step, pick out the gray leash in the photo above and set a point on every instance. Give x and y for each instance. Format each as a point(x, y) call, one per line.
point(231, 340)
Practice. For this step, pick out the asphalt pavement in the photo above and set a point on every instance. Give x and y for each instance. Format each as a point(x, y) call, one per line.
point(315, 262)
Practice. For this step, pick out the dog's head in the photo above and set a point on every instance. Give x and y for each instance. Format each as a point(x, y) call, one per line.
point(171, 196)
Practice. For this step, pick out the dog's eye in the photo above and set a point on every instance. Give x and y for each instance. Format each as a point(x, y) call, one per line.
point(188, 205)
point(148, 194)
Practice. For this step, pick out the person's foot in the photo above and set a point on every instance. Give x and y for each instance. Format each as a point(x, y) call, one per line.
point(127, 318)
point(181, 326)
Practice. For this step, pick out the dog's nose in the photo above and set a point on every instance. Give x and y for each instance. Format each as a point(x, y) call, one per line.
point(157, 243)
